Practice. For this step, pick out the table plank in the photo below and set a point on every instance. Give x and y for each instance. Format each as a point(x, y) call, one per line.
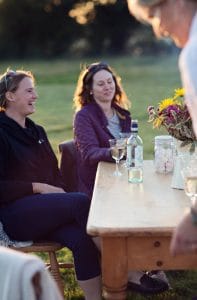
point(120, 208)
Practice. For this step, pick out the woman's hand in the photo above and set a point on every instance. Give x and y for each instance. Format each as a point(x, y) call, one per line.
point(43, 188)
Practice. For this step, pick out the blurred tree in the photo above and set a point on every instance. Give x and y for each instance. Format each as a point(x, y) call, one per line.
point(36, 28)
point(107, 24)
point(51, 28)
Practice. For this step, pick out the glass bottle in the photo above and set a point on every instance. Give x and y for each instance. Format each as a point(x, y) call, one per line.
point(134, 158)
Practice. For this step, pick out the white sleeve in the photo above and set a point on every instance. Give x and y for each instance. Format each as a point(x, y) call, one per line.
point(188, 69)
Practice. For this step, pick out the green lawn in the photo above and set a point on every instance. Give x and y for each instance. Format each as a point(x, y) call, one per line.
point(146, 80)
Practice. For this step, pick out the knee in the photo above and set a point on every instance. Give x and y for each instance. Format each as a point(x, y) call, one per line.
point(84, 198)
point(83, 202)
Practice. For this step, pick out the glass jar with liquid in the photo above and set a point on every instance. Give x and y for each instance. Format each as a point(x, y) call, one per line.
point(164, 154)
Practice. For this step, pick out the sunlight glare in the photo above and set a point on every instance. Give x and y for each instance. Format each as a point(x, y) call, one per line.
point(81, 11)
point(84, 12)
point(107, 1)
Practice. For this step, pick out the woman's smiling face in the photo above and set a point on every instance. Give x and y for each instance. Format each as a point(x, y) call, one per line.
point(103, 87)
point(24, 98)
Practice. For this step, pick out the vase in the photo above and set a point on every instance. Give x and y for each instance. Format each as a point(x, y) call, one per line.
point(182, 158)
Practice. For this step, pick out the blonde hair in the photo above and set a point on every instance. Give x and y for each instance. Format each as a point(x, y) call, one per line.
point(83, 94)
point(9, 82)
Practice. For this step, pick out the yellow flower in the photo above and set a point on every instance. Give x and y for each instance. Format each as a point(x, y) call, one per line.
point(157, 122)
point(165, 103)
point(179, 93)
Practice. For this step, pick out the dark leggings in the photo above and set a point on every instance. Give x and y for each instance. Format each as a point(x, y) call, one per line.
point(55, 217)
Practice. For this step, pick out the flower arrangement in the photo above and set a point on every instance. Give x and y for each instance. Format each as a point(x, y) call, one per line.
point(173, 115)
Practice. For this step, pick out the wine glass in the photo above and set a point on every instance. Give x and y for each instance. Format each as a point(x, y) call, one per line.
point(189, 173)
point(117, 147)
point(125, 136)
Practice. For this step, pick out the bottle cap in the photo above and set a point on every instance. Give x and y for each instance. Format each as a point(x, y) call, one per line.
point(134, 125)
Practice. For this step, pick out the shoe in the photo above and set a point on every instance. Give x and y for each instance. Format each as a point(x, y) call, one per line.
point(148, 286)
point(159, 274)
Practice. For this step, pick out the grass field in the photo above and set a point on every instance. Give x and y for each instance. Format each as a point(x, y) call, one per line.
point(146, 80)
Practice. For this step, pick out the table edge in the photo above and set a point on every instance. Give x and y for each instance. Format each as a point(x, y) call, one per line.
point(106, 231)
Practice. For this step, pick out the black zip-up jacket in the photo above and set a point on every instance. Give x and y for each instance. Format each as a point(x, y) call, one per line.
point(25, 157)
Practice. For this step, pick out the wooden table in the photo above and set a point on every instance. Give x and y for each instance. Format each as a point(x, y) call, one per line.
point(135, 223)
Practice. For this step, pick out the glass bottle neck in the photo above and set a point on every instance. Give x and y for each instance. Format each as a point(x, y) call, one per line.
point(134, 132)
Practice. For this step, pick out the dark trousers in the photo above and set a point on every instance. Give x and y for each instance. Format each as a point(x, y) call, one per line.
point(55, 217)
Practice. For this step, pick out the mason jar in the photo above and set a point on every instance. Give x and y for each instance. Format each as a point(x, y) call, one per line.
point(164, 154)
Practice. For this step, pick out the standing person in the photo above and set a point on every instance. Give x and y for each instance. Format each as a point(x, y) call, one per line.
point(33, 202)
point(177, 19)
point(101, 114)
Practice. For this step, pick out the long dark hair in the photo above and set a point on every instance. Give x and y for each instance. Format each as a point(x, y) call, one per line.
point(83, 95)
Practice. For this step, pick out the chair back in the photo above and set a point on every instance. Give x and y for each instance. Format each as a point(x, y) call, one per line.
point(68, 163)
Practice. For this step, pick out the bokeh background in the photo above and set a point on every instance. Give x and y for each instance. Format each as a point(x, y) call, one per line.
point(58, 28)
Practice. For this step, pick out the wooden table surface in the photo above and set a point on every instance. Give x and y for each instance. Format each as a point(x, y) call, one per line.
point(120, 207)
point(135, 223)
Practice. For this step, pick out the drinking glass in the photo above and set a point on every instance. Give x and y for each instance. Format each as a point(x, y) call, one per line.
point(125, 136)
point(189, 173)
point(117, 147)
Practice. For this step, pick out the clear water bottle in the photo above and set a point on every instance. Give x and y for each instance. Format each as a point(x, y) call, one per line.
point(134, 159)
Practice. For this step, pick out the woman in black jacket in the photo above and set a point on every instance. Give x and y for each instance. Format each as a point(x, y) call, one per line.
point(33, 202)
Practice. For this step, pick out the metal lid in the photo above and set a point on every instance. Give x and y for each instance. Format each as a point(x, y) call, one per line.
point(163, 138)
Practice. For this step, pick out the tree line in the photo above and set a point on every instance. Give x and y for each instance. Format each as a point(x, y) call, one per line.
point(55, 28)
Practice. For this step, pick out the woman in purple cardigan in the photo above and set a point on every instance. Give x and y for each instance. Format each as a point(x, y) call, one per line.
point(101, 106)
point(101, 114)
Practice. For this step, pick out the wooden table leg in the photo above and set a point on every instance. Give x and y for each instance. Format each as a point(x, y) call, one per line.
point(114, 268)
